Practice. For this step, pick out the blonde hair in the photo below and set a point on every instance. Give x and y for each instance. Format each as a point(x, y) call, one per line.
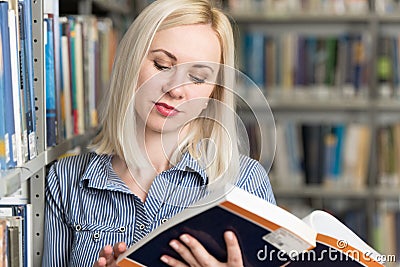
point(114, 135)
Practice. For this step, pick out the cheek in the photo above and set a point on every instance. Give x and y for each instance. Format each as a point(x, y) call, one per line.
point(201, 91)
point(144, 75)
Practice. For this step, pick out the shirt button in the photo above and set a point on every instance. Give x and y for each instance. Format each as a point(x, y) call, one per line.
point(122, 229)
point(96, 236)
point(142, 226)
point(78, 227)
point(164, 220)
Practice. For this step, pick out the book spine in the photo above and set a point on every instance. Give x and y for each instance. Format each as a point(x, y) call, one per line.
point(23, 80)
point(66, 80)
point(3, 155)
point(3, 242)
point(25, 6)
point(74, 91)
point(8, 96)
point(15, 80)
point(254, 57)
point(80, 97)
point(50, 84)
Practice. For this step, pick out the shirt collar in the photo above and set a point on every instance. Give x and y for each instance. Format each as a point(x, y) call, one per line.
point(98, 173)
point(190, 164)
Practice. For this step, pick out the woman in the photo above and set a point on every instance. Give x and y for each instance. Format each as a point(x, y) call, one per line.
point(168, 135)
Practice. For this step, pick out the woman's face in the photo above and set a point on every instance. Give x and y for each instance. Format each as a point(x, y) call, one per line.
point(176, 78)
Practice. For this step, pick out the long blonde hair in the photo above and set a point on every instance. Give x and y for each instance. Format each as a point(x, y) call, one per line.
point(160, 15)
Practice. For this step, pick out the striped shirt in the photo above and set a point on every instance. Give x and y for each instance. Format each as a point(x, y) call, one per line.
point(88, 206)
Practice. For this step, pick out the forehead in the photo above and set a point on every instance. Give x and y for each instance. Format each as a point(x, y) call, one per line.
point(189, 43)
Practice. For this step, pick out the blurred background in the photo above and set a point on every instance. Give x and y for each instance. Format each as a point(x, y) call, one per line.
point(329, 69)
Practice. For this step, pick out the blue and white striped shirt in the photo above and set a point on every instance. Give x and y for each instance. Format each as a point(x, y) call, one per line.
point(88, 206)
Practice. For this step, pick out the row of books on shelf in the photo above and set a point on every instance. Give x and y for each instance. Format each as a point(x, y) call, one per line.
point(317, 7)
point(16, 232)
point(291, 60)
point(79, 52)
point(290, 7)
point(17, 98)
point(335, 155)
point(321, 154)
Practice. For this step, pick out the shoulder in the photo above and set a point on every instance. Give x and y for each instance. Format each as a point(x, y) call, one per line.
point(254, 178)
point(64, 178)
point(248, 164)
point(70, 170)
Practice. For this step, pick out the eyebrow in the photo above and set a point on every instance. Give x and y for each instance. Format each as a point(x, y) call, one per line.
point(203, 66)
point(170, 55)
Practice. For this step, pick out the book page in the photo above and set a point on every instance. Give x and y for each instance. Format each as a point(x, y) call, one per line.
point(328, 225)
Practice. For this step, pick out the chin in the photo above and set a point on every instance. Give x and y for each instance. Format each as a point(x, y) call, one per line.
point(162, 126)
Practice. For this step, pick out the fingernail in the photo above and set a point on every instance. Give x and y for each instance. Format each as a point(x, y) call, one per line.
point(164, 259)
point(184, 238)
point(229, 235)
point(174, 244)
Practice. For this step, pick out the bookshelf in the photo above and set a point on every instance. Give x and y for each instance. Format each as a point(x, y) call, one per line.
point(26, 180)
point(330, 105)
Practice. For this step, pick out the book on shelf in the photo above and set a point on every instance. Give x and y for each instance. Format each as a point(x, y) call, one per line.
point(17, 207)
point(66, 104)
point(11, 160)
point(51, 109)
point(267, 234)
point(26, 62)
point(14, 241)
point(386, 229)
point(78, 107)
point(3, 135)
point(15, 85)
point(20, 69)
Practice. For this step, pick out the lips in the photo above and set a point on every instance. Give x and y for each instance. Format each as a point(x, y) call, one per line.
point(165, 109)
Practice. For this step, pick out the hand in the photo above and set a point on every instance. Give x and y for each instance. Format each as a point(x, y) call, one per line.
point(197, 256)
point(108, 255)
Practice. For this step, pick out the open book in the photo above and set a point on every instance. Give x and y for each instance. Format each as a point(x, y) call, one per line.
point(268, 235)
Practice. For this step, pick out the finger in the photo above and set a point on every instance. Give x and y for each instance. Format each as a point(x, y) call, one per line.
point(172, 261)
point(184, 252)
point(107, 254)
point(118, 249)
point(233, 249)
point(101, 262)
point(199, 253)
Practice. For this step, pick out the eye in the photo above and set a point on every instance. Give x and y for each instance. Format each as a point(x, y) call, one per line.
point(197, 80)
point(160, 67)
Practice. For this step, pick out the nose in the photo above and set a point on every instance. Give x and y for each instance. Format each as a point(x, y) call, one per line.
point(175, 85)
point(177, 92)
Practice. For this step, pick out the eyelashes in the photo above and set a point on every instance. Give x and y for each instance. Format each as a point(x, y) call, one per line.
point(196, 80)
point(160, 67)
point(193, 78)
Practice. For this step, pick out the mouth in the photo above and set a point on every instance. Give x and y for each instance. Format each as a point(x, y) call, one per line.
point(165, 109)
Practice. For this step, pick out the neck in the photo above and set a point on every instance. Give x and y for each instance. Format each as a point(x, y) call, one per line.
point(159, 148)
